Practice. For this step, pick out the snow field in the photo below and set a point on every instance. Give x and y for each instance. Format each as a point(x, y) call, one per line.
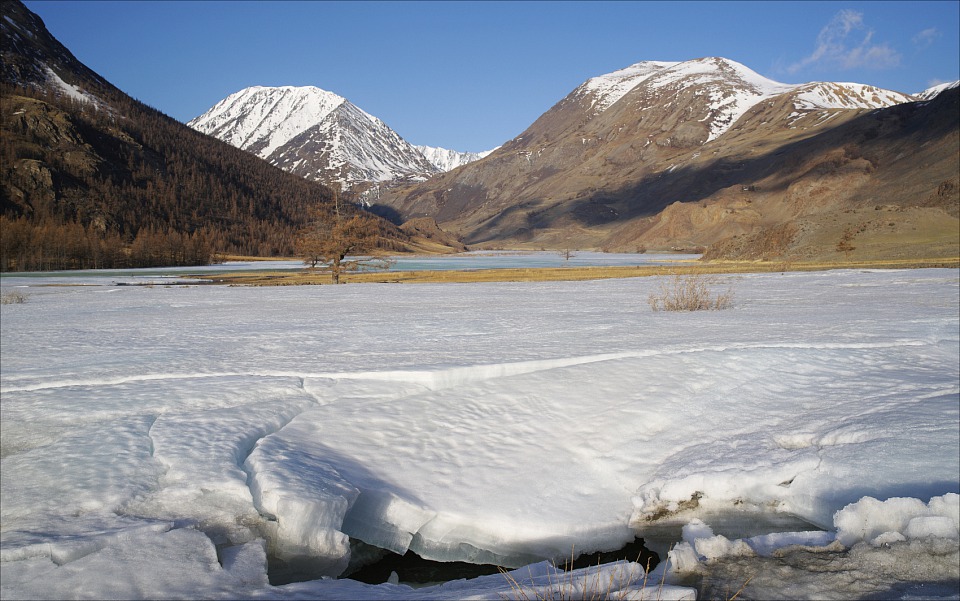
point(192, 431)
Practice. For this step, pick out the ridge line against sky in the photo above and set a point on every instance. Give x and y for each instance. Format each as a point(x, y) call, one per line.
point(472, 75)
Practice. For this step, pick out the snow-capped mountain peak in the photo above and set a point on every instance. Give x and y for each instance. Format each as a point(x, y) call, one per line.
point(448, 160)
point(729, 89)
point(313, 133)
point(262, 119)
point(712, 70)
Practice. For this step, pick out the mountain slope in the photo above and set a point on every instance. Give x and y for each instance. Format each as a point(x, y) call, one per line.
point(595, 169)
point(315, 134)
point(90, 177)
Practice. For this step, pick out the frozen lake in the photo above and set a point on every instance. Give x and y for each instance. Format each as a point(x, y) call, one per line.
point(462, 261)
point(163, 442)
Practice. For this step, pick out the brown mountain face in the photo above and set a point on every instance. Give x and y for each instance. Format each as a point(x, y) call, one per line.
point(688, 155)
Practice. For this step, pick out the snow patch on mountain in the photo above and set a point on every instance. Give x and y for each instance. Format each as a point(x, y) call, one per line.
point(732, 88)
point(831, 95)
point(604, 90)
point(71, 91)
point(933, 91)
point(447, 160)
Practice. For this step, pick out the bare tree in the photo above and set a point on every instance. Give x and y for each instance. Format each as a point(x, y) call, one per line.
point(333, 239)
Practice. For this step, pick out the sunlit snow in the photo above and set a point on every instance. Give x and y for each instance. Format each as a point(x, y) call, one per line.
point(163, 441)
point(70, 90)
point(262, 119)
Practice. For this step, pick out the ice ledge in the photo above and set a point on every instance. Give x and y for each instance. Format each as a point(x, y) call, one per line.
point(307, 500)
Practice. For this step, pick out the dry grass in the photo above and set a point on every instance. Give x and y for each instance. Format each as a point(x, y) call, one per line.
point(14, 297)
point(588, 585)
point(554, 274)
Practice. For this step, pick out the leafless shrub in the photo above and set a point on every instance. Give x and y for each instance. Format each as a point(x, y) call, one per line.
point(690, 293)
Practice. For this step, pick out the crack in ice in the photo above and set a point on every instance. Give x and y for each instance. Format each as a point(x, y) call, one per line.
point(438, 379)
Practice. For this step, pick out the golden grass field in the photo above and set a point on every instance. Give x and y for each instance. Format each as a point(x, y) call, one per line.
point(555, 274)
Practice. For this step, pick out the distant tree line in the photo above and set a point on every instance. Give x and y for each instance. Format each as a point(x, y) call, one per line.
point(27, 246)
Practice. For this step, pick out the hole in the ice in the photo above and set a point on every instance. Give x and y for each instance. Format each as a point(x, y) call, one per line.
point(414, 570)
point(373, 565)
point(300, 569)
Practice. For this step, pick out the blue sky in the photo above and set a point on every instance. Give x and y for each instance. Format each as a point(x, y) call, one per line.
point(471, 75)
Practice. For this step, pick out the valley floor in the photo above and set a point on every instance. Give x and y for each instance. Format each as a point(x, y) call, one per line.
point(189, 441)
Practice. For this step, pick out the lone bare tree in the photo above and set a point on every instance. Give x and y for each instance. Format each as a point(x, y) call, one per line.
point(332, 240)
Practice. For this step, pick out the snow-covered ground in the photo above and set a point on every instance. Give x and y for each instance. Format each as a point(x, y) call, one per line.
point(162, 441)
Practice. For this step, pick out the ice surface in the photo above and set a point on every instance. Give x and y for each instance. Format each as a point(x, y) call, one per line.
point(152, 431)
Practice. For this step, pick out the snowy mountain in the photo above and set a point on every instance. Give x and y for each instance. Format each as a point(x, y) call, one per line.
point(600, 167)
point(448, 160)
point(313, 133)
point(729, 87)
point(716, 92)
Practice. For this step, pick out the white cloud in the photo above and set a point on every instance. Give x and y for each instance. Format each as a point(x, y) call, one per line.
point(926, 37)
point(834, 48)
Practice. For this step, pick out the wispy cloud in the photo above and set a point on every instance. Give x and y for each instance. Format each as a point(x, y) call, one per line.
point(839, 45)
point(926, 37)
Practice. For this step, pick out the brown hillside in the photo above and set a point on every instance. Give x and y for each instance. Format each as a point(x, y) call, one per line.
point(640, 173)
